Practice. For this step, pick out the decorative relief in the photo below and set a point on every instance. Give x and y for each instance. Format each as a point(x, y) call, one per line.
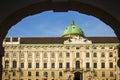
point(77, 40)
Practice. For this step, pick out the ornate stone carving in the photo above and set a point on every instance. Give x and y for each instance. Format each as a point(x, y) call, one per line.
point(77, 40)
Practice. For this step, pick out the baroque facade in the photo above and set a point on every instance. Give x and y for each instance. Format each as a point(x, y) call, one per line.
point(70, 57)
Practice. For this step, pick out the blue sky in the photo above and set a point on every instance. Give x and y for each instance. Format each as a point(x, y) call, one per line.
point(52, 24)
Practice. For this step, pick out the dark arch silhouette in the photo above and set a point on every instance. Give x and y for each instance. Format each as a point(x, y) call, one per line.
point(13, 11)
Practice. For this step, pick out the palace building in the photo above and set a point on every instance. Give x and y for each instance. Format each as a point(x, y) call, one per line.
point(70, 57)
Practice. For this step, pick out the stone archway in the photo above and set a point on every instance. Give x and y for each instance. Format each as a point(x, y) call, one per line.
point(78, 76)
point(13, 11)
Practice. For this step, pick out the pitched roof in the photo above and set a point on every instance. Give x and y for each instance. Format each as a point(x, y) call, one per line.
point(103, 39)
point(60, 40)
point(43, 40)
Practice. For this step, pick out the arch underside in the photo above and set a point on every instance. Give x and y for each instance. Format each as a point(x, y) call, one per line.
point(19, 12)
point(62, 6)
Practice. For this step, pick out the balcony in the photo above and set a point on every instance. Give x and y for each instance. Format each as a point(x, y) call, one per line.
point(5, 69)
point(15, 69)
point(88, 69)
point(77, 69)
point(67, 69)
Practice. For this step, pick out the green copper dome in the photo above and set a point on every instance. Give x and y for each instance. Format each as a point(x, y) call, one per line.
point(72, 30)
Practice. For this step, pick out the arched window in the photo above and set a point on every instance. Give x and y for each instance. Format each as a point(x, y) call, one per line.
point(6, 64)
point(77, 64)
point(14, 64)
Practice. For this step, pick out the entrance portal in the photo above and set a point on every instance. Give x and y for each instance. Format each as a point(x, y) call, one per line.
point(78, 76)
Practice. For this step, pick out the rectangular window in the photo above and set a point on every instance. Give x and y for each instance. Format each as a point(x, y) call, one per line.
point(110, 65)
point(77, 55)
point(95, 65)
point(37, 65)
point(102, 54)
point(60, 74)
point(52, 74)
point(22, 65)
point(14, 74)
point(111, 74)
point(45, 55)
point(45, 74)
point(6, 64)
point(29, 73)
point(87, 54)
point(103, 74)
point(37, 73)
point(7, 55)
point(29, 65)
point(67, 54)
point(60, 54)
point(67, 65)
point(52, 65)
point(102, 65)
point(94, 54)
point(95, 74)
point(45, 65)
point(87, 65)
point(60, 65)
point(14, 64)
